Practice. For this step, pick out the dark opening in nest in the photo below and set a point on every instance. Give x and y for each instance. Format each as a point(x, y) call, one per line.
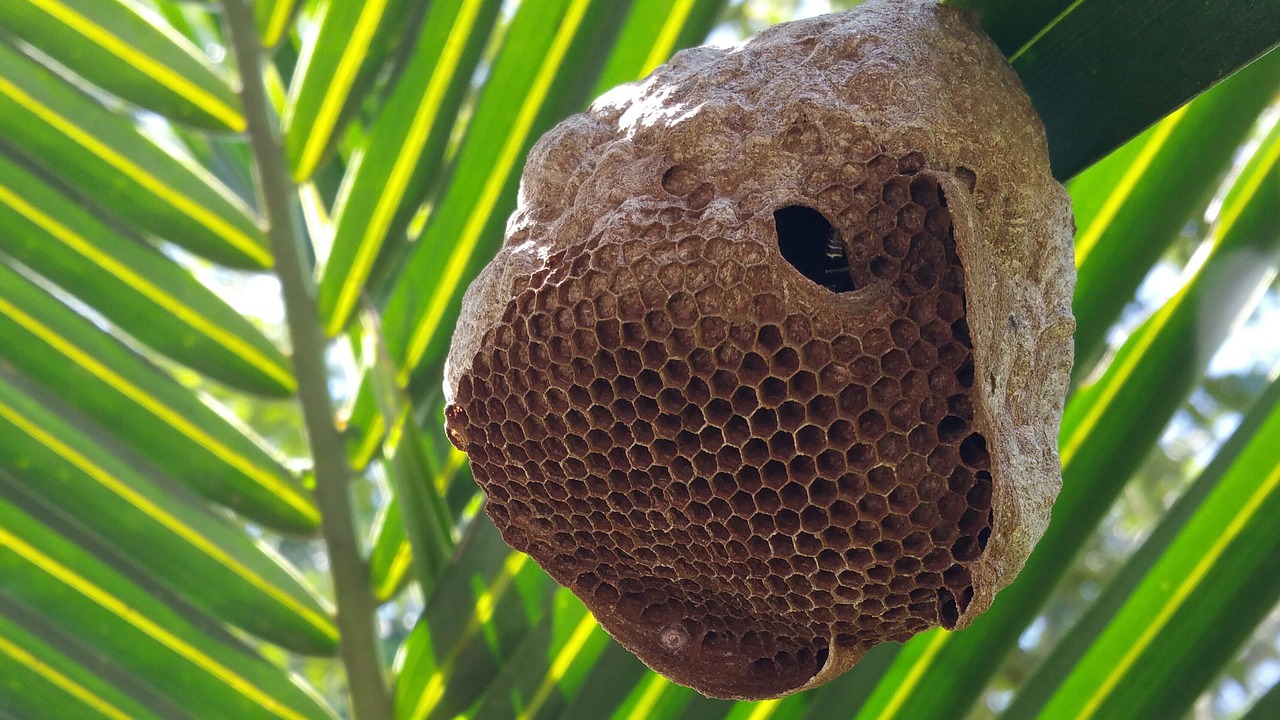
point(813, 247)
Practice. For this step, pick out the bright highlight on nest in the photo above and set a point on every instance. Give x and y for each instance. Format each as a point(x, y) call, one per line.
point(770, 367)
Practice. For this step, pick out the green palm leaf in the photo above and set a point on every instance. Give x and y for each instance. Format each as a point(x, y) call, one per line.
point(41, 679)
point(1099, 72)
point(145, 407)
point(210, 678)
point(121, 47)
point(273, 18)
point(1123, 203)
point(396, 166)
point(203, 557)
point(1215, 582)
point(134, 286)
point(484, 605)
point(334, 71)
point(103, 155)
point(1067, 655)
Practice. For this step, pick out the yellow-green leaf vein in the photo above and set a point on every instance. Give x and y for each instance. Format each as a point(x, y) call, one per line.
point(391, 194)
point(191, 317)
point(488, 198)
point(234, 236)
point(173, 524)
point(404, 551)
point(120, 609)
point(913, 678)
point(162, 74)
point(339, 86)
point(1088, 237)
point(68, 685)
point(485, 605)
point(667, 36)
point(1182, 592)
point(277, 23)
point(159, 409)
point(586, 627)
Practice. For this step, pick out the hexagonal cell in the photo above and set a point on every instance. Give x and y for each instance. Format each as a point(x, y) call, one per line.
point(791, 415)
point(787, 521)
point(861, 456)
point(816, 354)
point(785, 362)
point(896, 193)
point(814, 519)
point(802, 469)
point(884, 392)
point(871, 425)
point(892, 447)
point(873, 507)
point(811, 439)
point(767, 500)
point(753, 369)
point(774, 474)
point(773, 392)
point(782, 446)
point(895, 363)
point(802, 386)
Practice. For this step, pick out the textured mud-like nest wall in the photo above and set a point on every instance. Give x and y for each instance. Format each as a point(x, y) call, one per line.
point(770, 366)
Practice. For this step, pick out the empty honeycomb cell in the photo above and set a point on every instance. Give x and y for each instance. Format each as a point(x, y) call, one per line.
point(720, 379)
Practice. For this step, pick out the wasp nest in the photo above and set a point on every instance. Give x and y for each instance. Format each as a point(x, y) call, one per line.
point(770, 366)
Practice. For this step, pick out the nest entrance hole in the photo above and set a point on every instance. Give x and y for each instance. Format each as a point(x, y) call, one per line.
point(813, 246)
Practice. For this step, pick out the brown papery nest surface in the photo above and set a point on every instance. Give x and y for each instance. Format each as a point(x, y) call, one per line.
point(770, 366)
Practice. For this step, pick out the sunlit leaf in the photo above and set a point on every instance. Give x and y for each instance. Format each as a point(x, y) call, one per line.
point(392, 557)
point(134, 286)
point(401, 159)
point(1132, 204)
point(200, 555)
point(1031, 697)
point(336, 68)
point(1200, 600)
point(483, 606)
point(653, 32)
point(413, 468)
point(273, 18)
point(104, 155)
point(549, 666)
point(124, 48)
point(209, 678)
point(147, 409)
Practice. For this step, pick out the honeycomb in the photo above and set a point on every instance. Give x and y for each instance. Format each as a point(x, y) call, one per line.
point(721, 381)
